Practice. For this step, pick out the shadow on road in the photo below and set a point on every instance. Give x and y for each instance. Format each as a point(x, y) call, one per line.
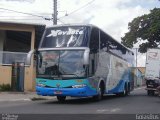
point(78, 101)
point(136, 94)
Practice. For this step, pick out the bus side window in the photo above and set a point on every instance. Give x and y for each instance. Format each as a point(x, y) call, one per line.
point(94, 41)
point(92, 65)
point(103, 41)
point(94, 49)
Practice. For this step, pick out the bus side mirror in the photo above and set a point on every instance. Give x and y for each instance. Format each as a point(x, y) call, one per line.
point(86, 56)
point(29, 56)
point(39, 60)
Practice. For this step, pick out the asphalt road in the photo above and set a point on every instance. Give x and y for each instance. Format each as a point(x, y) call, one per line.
point(136, 103)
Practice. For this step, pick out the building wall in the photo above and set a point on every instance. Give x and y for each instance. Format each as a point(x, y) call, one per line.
point(6, 71)
point(5, 75)
point(138, 79)
point(142, 69)
point(29, 78)
point(29, 83)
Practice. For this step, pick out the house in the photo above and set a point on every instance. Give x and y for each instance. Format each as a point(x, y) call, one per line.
point(139, 76)
point(142, 69)
point(16, 40)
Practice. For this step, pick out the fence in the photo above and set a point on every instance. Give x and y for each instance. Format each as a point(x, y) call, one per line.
point(8, 58)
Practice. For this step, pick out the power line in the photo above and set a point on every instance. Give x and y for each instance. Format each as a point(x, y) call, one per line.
point(19, 19)
point(45, 18)
point(18, 16)
point(14, 16)
point(61, 21)
point(26, 13)
point(78, 9)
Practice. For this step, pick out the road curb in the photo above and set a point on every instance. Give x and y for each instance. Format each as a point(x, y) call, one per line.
point(13, 100)
point(21, 96)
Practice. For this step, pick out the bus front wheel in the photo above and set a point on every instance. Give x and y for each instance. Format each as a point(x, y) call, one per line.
point(99, 96)
point(61, 98)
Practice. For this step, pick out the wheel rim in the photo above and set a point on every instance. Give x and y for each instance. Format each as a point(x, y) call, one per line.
point(124, 92)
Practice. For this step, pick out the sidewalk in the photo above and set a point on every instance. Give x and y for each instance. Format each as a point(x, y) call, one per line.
point(22, 96)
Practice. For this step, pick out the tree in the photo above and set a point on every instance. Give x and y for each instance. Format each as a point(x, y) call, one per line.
point(146, 29)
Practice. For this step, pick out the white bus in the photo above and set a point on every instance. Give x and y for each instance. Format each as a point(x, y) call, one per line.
point(82, 61)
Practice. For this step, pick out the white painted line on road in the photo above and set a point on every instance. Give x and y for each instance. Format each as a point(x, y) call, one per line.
point(115, 110)
point(108, 110)
point(102, 110)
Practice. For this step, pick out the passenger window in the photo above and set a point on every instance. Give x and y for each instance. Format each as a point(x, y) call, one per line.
point(94, 41)
point(103, 41)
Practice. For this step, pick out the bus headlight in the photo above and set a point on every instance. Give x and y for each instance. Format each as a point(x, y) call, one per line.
point(41, 85)
point(78, 86)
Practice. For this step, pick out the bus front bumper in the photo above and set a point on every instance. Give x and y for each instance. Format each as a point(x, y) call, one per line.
point(73, 92)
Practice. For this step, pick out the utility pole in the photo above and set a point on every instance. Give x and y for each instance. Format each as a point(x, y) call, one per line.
point(54, 15)
point(136, 66)
point(136, 56)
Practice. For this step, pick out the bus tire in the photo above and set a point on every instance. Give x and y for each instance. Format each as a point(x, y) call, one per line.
point(150, 92)
point(100, 93)
point(128, 89)
point(61, 98)
point(125, 91)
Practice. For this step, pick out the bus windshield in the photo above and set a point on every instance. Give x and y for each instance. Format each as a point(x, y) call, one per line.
point(66, 36)
point(61, 63)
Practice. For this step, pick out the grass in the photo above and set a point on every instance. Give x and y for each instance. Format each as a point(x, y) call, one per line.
point(5, 87)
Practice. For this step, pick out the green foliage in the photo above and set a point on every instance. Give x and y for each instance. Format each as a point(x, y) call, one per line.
point(5, 87)
point(145, 27)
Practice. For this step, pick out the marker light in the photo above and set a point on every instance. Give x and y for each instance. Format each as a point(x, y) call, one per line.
point(78, 86)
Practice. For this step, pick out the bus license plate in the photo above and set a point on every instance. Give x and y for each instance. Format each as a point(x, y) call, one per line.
point(58, 92)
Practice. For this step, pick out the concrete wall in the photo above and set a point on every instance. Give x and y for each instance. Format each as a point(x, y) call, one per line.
point(29, 83)
point(29, 78)
point(138, 79)
point(5, 75)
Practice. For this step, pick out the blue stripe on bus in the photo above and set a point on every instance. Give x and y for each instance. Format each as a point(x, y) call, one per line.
point(73, 92)
point(119, 88)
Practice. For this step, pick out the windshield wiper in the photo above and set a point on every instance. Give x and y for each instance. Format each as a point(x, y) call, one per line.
point(72, 74)
point(47, 76)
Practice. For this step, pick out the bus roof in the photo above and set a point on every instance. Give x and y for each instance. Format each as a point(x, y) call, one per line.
point(92, 26)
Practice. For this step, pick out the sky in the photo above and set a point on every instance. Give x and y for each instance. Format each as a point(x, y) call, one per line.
point(112, 16)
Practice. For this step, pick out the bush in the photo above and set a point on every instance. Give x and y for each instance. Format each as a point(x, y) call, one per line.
point(5, 87)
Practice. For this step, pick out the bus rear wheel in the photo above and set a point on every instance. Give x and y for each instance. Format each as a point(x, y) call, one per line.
point(124, 93)
point(61, 98)
point(150, 93)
